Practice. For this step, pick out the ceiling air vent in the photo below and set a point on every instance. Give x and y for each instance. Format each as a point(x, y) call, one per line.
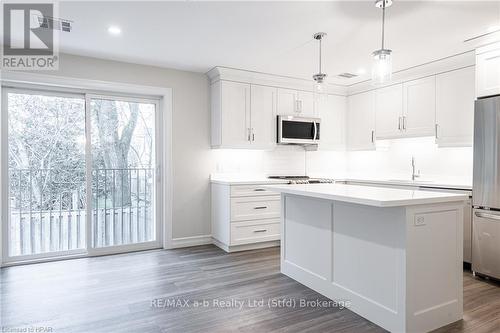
point(346, 75)
point(53, 23)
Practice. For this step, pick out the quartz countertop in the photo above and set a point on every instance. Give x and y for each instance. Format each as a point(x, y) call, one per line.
point(367, 195)
point(432, 183)
point(236, 179)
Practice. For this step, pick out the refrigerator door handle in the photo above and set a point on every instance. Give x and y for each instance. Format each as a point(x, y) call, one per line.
point(487, 216)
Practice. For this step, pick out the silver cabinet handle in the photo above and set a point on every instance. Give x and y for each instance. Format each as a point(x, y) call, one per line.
point(315, 130)
point(260, 207)
point(259, 189)
point(260, 230)
point(404, 122)
point(373, 136)
point(299, 105)
point(436, 127)
point(253, 135)
point(488, 216)
point(399, 123)
point(248, 137)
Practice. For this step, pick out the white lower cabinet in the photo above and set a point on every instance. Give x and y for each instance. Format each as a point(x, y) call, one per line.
point(245, 217)
point(255, 208)
point(255, 231)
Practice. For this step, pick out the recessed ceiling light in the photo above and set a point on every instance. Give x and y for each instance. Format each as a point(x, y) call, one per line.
point(114, 30)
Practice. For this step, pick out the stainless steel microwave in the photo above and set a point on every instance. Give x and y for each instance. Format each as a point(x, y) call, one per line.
point(298, 130)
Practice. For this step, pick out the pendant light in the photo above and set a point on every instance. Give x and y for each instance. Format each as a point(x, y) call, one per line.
point(319, 87)
point(382, 59)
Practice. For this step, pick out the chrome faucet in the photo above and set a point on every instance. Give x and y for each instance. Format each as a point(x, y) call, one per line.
point(413, 174)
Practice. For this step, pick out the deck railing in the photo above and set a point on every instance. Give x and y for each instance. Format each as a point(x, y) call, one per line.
point(43, 221)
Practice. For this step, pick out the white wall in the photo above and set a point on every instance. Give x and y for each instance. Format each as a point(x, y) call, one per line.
point(191, 154)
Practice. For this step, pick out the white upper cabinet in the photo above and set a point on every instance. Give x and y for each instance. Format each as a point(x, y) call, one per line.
point(287, 102)
point(419, 107)
point(306, 104)
point(243, 115)
point(332, 111)
point(455, 107)
point(389, 111)
point(361, 122)
point(488, 71)
point(235, 114)
point(295, 103)
point(263, 116)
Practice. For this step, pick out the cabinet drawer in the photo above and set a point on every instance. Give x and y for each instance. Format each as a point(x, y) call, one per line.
point(255, 208)
point(250, 191)
point(255, 231)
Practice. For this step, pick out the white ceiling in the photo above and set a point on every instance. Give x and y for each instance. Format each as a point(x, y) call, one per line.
point(273, 37)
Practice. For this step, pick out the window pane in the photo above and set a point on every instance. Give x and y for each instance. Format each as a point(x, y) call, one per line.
point(46, 173)
point(123, 162)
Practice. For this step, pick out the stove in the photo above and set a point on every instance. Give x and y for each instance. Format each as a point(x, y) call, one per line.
point(303, 180)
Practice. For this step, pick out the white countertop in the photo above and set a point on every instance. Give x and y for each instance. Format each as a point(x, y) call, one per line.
point(445, 183)
point(366, 195)
point(441, 183)
point(236, 179)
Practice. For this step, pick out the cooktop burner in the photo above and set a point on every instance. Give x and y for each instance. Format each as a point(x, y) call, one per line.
point(288, 177)
point(303, 179)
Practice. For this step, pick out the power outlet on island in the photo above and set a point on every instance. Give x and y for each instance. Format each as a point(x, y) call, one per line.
point(419, 220)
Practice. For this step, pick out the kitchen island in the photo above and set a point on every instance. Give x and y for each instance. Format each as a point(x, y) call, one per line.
point(395, 255)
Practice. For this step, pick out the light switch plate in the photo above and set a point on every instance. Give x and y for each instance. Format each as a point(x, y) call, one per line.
point(419, 220)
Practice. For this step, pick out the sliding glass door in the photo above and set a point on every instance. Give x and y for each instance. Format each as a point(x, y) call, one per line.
point(46, 162)
point(123, 171)
point(81, 174)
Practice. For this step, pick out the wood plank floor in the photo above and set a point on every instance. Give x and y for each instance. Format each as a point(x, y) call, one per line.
point(130, 293)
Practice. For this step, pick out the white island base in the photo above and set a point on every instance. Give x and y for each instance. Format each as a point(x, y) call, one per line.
point(399, 263)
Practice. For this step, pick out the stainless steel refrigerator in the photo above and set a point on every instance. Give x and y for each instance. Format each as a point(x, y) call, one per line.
point(486, 188)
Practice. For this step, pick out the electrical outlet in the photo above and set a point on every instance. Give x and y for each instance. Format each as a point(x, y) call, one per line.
point(419, 220)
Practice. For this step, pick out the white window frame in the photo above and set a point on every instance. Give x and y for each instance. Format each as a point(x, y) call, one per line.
point(86, 88)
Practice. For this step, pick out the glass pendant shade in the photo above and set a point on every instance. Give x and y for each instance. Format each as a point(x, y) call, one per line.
point(319, 90)
point(382, 66)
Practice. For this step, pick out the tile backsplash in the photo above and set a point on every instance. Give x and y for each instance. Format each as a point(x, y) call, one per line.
point(391, 159)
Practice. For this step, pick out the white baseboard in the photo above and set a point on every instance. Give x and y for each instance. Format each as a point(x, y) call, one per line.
point(245, 247)
point(191, 241)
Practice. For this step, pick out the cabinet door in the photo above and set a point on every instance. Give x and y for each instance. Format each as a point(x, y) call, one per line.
point(287, 102)
point(419, 107)
point(306, 104)
point(455, 107)
point(332, 111)
point(235, 105)
point(488, 73)
point(263, 116)
point(361, 122)
point(389, 111)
